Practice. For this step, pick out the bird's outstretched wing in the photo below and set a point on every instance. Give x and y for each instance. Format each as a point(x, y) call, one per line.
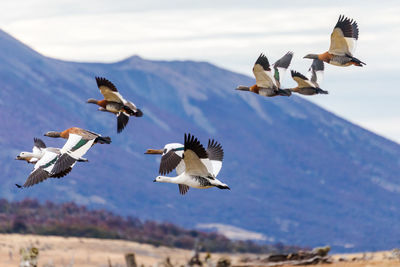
point(262, 72)
point(75, 147)
point(183, 189)
point(193, 155)
point(301, 80)
point(169, 162)
point(344, 37)
point(281, 65)
point(122, 121)
point(42, 169)
point(316, 72)
point(215, 155)
point(108, 90)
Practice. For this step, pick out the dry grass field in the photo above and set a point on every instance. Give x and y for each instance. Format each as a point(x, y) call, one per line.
point(89, 252)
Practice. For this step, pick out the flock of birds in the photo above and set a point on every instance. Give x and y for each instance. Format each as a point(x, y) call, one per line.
point(195, 166)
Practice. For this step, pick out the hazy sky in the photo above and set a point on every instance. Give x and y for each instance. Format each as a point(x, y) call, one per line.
point(230, 34)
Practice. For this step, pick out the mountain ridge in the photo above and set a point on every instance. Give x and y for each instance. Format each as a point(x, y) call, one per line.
point(293, 167)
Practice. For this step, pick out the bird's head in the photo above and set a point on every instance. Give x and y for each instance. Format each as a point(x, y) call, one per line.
point(242, 88)
point(52, 134)
point(154, 151)
point(92, 101)
point(311, 56)
point(23, 156)
point(160, 179)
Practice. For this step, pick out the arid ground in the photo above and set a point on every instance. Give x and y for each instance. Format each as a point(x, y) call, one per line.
point(89, 252)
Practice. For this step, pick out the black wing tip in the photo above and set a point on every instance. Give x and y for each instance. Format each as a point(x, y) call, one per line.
point(169, 162)
point(298, 74)
point(103, 140)
point(101, 81)
point(18, 186)
point(37, 176)
point(348, 26)
point(263, 61)
point(284, 61)
point(216, 149)
point(122, 121)
point(39, 142)
point(192, 143)
point(317, 65)
point(62, 164)
point(183, 189)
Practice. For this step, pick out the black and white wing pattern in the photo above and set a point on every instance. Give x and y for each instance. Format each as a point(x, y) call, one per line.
point(38, 149)
point(169, 162)
point(302, 81)
point(215, 155)
point(38, 143)
point(262, 72)
point(183, 189)
point(281, 65)
point(193, 155)
point(108, 90)
point(42, 169)
point(75, 147)
point(110, 93)
point(316, 72)
point(122, 121)
point(344, 37)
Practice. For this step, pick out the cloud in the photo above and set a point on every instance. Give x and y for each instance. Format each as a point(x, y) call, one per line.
point(228, 37)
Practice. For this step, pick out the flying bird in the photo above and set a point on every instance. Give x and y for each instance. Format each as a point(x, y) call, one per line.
point(37, 152)
point(113, 102)
point(310, 86)
point(268, 80)
point(343, 44)
point(45, 159)
point(195, 167)
point(79, 141)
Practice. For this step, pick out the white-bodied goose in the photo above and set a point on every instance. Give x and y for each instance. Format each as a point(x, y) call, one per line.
point(172, 155)
point(114, 102)
point(45, 159)
point(268, 80)
point(200, 166)
point(78, 143)
point(310, 86)
point(343, 44)
point(37, 152)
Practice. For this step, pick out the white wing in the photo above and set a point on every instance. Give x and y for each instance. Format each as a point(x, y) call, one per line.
point(180, 168)
point(75, 147)
point(47, 161)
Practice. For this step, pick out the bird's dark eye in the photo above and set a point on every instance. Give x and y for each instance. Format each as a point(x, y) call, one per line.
point(165, 150)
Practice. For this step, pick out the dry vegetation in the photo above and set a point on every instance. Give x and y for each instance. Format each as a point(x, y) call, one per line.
point(85, 252)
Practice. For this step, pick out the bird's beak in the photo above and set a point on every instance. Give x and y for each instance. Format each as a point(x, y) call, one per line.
point(242, 88)
point(311, 56)
point(154, 180)
point(154, 151)
point(18, 157)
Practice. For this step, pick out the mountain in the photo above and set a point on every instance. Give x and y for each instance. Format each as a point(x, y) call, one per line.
point(298, 174)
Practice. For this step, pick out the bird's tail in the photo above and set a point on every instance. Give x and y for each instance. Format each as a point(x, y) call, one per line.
point(103, 140)
point(357, 62)
point(138, 113)
point(320, 91)
point(223, 186)
point(131, 112)
point(285, 92)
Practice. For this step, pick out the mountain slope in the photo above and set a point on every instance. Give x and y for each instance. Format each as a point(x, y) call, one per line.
point(298, 173)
